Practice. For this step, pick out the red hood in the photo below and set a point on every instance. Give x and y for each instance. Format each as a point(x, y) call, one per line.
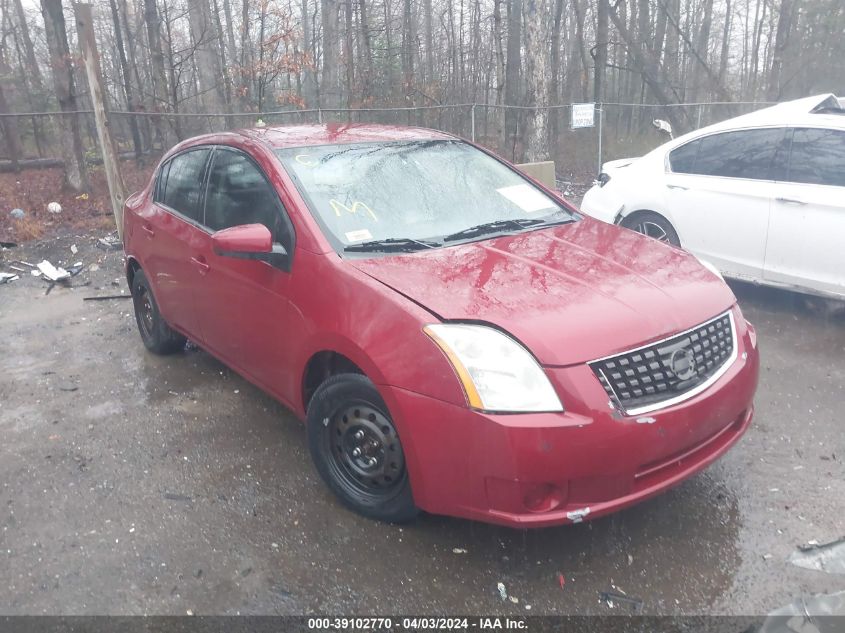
point(571, 293)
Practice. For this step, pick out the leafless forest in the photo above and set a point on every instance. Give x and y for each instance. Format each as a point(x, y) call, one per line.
point(170, 65)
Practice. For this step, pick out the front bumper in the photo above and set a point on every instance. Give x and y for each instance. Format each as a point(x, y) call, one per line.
point(543, 469)
point(601, 204)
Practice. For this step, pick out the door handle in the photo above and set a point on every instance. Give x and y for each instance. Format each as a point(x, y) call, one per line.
point(681, 187)
point(201, 264)
point(790, 201)
point(148, 230)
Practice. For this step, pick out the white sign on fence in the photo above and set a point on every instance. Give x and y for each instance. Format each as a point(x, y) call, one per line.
point(583, 115)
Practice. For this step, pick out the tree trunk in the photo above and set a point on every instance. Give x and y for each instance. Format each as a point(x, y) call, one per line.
point(512, 67)
point(366, 45)
point(601, 50)
point(329, 93)
point(204, 38)
point(73, 154)
point(773, 93)
point(127, 80)
point(407, 49)
point(500, 70)
point(537, 38)
point(309, 89)
point(349, 53)
point(160, 91)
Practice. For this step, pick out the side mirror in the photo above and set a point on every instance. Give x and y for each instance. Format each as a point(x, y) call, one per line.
point(250, 241)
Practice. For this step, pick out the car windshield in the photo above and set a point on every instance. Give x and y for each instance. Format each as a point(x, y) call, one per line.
point(372, 197)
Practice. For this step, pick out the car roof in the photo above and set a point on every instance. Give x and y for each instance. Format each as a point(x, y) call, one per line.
point(822, 109)
point(284, 136)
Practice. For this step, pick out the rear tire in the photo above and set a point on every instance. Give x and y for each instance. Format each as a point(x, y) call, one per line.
point(157, 335)
point(357, 451)
point(652, 225)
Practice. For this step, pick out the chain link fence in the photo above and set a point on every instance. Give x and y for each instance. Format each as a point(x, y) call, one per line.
point(627, 129)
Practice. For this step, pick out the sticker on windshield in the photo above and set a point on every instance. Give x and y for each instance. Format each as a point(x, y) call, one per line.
point(527, 198)
point(356, 207)
point(358, 236)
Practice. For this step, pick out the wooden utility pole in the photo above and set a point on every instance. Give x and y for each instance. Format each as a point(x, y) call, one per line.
point(91, 59)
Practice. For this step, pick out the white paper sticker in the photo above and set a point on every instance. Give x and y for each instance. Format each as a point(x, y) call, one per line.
point(527, 198)
point(358, 236)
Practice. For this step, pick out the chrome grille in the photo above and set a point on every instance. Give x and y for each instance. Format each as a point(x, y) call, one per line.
point(648, 377)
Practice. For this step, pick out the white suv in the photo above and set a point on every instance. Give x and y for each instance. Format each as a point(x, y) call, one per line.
point(760, 196)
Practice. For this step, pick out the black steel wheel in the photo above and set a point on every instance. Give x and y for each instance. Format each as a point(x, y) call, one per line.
point(652, 225)
point(357, 450)
point(157, 335)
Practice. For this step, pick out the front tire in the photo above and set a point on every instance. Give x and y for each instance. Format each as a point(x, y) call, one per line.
point(357, 451)
point(157, 335)
point(652, 225)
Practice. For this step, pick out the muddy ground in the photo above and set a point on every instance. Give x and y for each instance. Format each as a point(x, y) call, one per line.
point(133, 484)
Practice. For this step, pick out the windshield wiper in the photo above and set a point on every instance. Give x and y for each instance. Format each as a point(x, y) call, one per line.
point(391, 245)
point(492, 227)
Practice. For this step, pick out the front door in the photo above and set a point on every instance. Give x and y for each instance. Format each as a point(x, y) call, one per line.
point(246, 312)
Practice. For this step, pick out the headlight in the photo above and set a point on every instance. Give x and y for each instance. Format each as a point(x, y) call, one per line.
point(498, 374)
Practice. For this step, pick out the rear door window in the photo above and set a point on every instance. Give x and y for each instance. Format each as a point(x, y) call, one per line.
point(817, 157)
point(740, 154)
point(182, 188)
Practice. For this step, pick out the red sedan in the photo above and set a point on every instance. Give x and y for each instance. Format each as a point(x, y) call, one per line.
point(457, 338)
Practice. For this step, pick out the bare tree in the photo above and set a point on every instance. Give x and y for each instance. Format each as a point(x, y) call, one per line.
point(73, 153)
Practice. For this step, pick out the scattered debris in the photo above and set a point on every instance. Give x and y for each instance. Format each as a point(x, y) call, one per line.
point(611, 598)
point(68, 388)
point(829, 557)
point(8, 244)
point(503, 593)
point(106, 297)
point(52, 273)
point(513, 599)
point(17, 268)
point(17, 214)
point(561, 580)
point(54, 208)
point(110, 243)
point(73, 249)
point(7, 277)
point(808, 613)
point(459, 550)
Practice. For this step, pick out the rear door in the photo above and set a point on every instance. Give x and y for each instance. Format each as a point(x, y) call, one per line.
point(806, 245)
point(246, 312)
point(170, 229)
point(719, 194)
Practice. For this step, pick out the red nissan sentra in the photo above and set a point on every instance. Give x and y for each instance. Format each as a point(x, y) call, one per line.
point(457, 338)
